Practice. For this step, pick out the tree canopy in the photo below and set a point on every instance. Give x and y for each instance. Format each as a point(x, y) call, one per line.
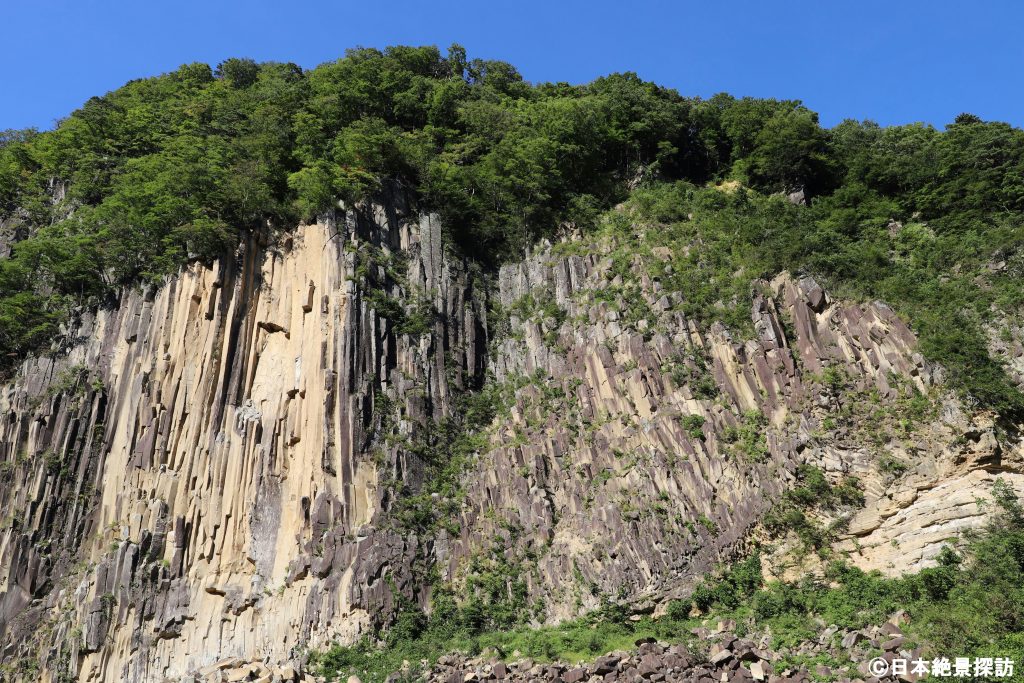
point(178, 167)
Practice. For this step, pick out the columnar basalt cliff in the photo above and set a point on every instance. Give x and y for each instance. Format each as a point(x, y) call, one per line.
point(162, 476)
point(203, 474)
point(628, 474)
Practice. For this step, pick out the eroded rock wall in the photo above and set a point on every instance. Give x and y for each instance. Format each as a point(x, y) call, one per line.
point(644, 450)
point(207, 473)
point(161, 478)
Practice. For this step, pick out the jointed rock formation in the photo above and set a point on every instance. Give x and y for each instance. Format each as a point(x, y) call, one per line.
point(208, 470)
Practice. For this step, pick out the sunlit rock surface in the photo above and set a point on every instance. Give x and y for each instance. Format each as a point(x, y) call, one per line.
point(197, 481)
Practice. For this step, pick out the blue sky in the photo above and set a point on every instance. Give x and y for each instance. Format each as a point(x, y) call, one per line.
point(894, 62)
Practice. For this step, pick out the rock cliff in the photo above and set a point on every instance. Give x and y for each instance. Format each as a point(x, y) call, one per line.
point(210, 471)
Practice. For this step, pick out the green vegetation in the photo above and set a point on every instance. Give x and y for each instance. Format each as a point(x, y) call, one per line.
point(891, 465)
point(868, 419)
point(967, 605)
point(445, 448)
point(694, 425)
point(380, 271)
point(813, 492)
point(729, 590)
point(748, 439)
point(693, 371)
point(423, 638)
point(179, 167)
point(710, 243)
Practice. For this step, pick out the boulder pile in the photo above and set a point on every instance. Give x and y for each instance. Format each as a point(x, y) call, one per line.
point(717, 656)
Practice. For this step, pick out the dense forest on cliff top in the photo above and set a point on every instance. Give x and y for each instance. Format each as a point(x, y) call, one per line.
point(178, 167)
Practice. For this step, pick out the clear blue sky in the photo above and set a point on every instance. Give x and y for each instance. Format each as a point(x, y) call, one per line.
point(894, 61)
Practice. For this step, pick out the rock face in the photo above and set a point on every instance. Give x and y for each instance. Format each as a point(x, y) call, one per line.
point(201, 483)
point(11, 231)
point(161, 478)
point(647, 449)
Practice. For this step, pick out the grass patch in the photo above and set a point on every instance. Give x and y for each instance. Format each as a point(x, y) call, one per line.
point(968, 605)
point(573, 641)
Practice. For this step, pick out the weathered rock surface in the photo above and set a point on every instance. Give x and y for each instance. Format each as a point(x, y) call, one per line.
point(612, 485)
point(198, 485)
point(165, 480)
